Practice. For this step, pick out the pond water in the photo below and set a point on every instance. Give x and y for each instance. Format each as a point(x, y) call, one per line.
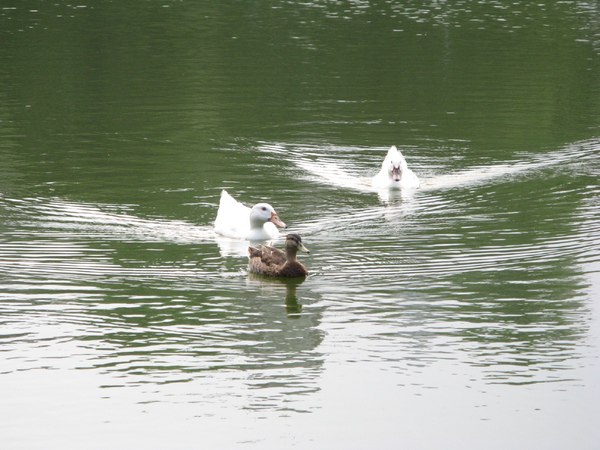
point(463, 314)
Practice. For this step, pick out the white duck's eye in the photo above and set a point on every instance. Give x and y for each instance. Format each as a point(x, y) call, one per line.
point(264, 208)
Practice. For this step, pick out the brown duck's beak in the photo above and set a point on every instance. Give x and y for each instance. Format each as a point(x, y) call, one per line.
point(303, 248)
point(396, 173)
point(277, 221)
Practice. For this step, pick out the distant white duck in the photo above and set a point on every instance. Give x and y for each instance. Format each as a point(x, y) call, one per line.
point(394, 172)
point(234, 220)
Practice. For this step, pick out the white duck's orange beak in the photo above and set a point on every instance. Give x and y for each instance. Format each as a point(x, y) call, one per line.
point(276, 220)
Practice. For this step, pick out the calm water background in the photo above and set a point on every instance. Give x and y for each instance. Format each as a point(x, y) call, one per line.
point(462, 315)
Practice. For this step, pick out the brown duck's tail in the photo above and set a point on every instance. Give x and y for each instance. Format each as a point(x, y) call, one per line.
point(254, 252)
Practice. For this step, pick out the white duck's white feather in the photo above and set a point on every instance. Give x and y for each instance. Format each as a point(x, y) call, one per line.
point(385, 177)
point(235, 220)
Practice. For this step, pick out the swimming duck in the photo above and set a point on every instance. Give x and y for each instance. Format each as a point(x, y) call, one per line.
point(273, 262)
point(394, 172)
point(235, 220)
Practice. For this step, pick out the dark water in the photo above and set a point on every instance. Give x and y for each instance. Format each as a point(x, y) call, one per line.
point(460, 315)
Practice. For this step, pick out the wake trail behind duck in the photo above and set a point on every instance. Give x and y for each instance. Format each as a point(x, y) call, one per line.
point(89, 220)
point(342, 173)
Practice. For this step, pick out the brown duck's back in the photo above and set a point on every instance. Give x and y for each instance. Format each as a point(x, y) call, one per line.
point(272, 255)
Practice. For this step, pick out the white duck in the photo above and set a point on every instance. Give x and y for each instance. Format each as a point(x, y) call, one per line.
point(234, 220)
point(394, 172)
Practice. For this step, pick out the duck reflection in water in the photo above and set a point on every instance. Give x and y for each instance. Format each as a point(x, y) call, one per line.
point(270, 285)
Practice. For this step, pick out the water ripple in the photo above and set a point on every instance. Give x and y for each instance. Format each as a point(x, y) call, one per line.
point(484, 268)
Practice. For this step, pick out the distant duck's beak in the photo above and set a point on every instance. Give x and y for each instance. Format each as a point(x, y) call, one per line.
point(303, 248)
point(396, 173)
point(276, 220)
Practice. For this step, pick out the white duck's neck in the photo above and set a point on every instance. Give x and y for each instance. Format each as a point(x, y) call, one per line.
point(256, 223)
point(257, 230)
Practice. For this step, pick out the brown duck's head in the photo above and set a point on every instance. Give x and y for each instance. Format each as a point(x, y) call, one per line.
point(294, 241)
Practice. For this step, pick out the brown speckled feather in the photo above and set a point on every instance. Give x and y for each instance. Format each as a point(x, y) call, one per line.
point(272, 255)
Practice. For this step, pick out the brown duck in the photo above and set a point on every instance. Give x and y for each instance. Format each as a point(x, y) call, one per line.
point(273, 262)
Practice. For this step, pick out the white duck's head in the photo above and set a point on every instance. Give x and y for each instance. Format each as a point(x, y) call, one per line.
point(395, 170)
point(395, 164)
point(262, 213)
